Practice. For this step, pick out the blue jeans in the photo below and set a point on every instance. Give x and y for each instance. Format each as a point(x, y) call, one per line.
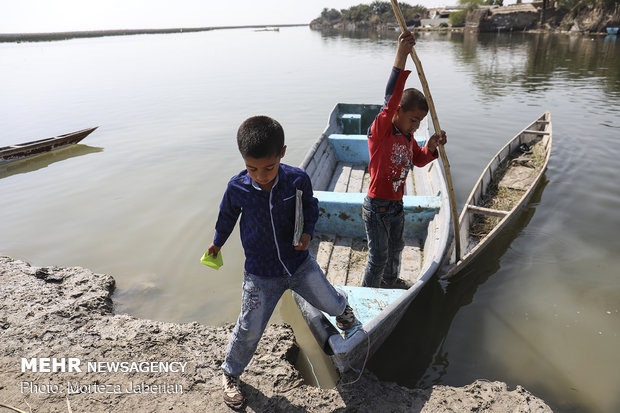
point(259, 298)
point(384, 221)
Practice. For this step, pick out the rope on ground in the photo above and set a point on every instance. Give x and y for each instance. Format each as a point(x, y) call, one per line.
point(360, 371)
point(6, 406)
point(313, 373)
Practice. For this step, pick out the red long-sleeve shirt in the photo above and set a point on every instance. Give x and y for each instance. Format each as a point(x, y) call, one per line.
point(391, 152)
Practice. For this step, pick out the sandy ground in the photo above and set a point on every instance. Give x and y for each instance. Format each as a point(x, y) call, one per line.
point(51, 313)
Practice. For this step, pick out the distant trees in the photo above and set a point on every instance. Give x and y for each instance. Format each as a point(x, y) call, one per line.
point(379, 15)
point(381, 7)
point(359, 13)
point(375, 13)
point(330, 15)
point(413, 12)
point(457, 18)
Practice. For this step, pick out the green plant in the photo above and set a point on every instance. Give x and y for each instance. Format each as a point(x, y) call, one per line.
point(457, 19)
point(378, 12)
point(381, 7)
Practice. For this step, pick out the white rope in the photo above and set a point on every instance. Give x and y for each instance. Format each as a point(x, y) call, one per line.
point(313, 373)
point(364, 364)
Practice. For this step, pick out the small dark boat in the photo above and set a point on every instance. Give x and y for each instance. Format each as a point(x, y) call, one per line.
point(28, 149)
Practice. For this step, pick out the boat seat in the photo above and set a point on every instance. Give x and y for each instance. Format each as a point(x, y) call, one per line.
point(350, 122)
point(341, 213)
point(354, 148)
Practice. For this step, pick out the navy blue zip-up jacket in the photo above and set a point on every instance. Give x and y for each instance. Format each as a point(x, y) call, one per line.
point(267, 220)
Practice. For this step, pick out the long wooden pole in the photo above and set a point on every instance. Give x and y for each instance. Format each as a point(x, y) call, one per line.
point(442, 152)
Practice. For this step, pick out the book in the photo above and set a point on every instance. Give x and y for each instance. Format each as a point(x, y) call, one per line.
point(299, 217)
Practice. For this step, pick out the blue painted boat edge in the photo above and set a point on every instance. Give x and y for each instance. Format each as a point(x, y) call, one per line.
point(341, 213)
point(360, 297)
point(354, 148)
point(353, 350)
point(410, 202)
point(350, 148)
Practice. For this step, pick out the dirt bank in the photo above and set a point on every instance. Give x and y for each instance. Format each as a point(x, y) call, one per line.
point(68, 313)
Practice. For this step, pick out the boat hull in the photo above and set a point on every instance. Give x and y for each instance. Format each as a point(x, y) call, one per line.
point(537, 132)
point(337, 166)
point(28, 149)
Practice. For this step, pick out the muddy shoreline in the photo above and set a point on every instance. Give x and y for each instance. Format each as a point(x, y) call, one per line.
point(121, 363)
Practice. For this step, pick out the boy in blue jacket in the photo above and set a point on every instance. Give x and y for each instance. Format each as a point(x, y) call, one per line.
point(264, 195)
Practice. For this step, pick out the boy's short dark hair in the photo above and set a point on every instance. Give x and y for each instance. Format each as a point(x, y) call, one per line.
point(413, 99)
point(260, 137)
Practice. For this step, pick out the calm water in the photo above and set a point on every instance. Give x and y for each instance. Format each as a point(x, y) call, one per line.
point(139, 198)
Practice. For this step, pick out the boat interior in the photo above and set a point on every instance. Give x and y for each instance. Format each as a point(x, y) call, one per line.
point(338, 168)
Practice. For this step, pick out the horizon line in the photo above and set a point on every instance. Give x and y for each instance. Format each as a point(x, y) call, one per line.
point(65, 35)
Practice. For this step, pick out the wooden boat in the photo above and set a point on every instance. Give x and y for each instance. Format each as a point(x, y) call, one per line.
point(28, 149)
point(503, 189)
point(338, 167)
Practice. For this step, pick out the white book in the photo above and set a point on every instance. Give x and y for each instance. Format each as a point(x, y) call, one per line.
point(299, 217)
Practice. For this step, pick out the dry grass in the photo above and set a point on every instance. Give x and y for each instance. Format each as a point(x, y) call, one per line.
point(502, 198)
point(538, 155)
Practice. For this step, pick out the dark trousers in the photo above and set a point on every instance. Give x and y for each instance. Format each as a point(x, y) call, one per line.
point(384, 221)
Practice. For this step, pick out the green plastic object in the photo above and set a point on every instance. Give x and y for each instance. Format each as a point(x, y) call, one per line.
point(211, 261)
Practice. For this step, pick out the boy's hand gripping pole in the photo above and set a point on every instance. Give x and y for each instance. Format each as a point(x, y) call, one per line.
point(442, 153)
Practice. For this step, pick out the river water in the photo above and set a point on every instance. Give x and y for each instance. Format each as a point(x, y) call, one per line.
point(139, 198)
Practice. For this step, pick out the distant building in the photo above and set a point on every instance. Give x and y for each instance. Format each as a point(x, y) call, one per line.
point(439, 15)
point(442, 12)
point(520, 16)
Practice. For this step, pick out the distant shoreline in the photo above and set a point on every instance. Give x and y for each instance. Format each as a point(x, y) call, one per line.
point(43, 37)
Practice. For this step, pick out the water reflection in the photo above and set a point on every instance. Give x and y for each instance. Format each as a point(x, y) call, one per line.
point(46, 159)
point(531, 61)
point(527, 61)
point(144, 211)
point(356, 34)
point(418, 339)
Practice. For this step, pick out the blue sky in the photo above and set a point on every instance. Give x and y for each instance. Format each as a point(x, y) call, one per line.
point(62, 15)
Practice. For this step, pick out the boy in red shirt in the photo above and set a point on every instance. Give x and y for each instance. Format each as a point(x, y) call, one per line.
point(393, 149)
